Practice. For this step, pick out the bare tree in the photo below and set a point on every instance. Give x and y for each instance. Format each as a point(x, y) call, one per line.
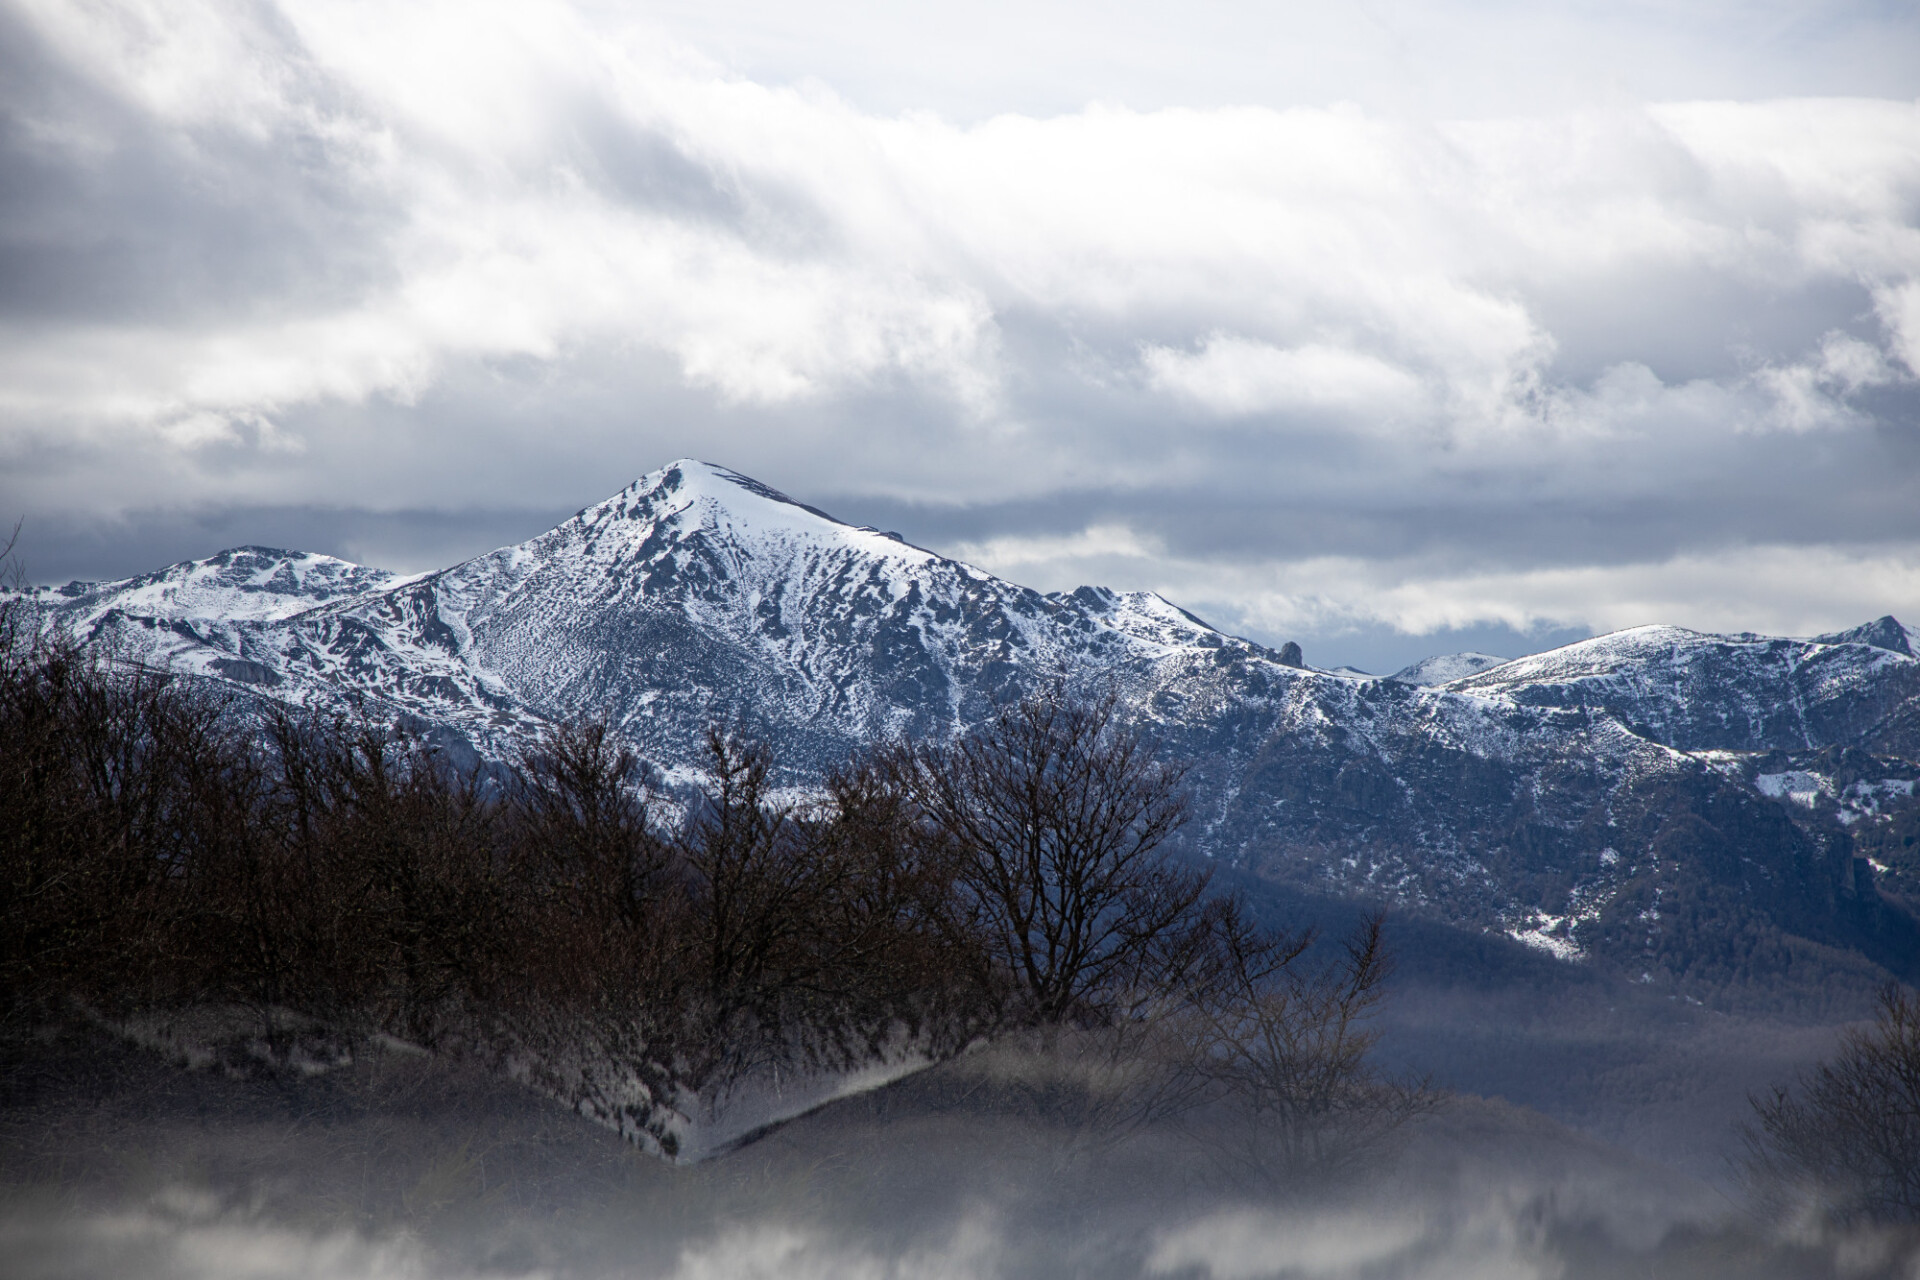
point(375, 893)
point(757, 899)
point(579, 806)
point(1057, 814)
point(892, 947)
point(1287, 1043)
point(116, 783)
point(1845, 1140)
point(1154, 1059)
point(592, 1003)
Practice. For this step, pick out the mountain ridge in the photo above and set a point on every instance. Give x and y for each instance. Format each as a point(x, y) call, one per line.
point(1543, 797)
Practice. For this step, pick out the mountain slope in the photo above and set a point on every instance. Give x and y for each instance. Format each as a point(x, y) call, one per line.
point(1703, 692)
point(242, 584)
point(1603, 799)
point(1446, 668)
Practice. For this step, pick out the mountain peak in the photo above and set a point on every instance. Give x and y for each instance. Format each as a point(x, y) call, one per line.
point(1885, 632)
point(689, 499)
point(692, 479)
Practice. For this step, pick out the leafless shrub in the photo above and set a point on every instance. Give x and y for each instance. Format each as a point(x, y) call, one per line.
point(1286, 1045)
point(116, 784)
point(598, 893)
point(1844, 1142)
point(896, 949)
point(760, 934)
point(817, 932)
point(1145, 999)
point(385, 892)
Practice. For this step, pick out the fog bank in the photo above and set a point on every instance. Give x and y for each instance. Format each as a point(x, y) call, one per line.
point(113, 1163)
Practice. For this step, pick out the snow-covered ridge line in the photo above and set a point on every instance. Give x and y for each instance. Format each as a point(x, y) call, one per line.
point(249, 583)
point(696, 594)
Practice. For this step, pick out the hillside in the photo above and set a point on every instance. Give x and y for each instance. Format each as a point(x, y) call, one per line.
point(1665, 802)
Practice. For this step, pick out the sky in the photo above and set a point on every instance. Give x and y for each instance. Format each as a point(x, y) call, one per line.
point(1391, 328)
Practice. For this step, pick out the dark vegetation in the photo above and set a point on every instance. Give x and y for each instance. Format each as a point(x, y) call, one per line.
point(1844, 1143)
point(1895, 845)
point(635, 951)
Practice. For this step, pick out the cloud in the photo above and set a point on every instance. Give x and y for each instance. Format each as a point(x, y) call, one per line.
point(187, 1232)
point(1898, 306)
point(423, 257)
point(1242, 1245)
point(1235, 377)
point(1516, 1232)
point(1774, 589)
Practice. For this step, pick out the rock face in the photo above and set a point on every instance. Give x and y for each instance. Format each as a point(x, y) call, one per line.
point(1616, 799)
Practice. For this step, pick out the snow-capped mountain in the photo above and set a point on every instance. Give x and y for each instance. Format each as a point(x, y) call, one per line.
point(243, 584)
point(695, 594)
point(1446, 668)
point(1584, 800)
point(1732, 693)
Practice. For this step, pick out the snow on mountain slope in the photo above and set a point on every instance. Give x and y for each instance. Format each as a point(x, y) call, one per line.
point(243, 584)
point(694, 595)
point(1885, 632)
point(208, 617)
point(1738, 692)
point(1551, 788)
point(1446, 668)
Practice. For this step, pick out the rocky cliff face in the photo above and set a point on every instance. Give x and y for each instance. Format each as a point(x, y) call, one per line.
point(1604, 799)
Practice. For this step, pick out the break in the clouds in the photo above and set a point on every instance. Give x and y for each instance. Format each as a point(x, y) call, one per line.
point(1461, 320)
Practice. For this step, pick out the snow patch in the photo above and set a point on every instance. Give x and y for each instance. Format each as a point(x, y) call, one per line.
point(1550, 934)
point(1795, 785)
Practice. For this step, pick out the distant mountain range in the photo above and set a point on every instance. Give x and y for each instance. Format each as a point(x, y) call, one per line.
point(1672, 804)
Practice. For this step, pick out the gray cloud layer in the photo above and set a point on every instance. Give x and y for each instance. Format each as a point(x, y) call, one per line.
point(1554, 321)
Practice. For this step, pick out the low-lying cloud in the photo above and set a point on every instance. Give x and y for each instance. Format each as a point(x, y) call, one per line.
point(114, 1162)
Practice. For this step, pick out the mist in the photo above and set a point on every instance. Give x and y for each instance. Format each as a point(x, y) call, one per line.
point(118, 1161)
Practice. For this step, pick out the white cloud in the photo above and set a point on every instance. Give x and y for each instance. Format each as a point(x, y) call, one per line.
point(188, 62)
point(1233, 376)
point(1778, 590)
point(1300, 259)
point(1775, 589)
point(1023, 557)
point(1813, 393)
point(288, 215)
point(1898, 305)
point(1245, 1245)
